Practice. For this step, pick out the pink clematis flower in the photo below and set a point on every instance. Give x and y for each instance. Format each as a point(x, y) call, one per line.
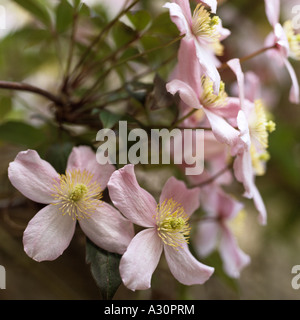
point(215, 231)
point(196, 92)
point(286, 42)
point(254, 131)
point(204, 31)
point(167, 230)
point(72, 197)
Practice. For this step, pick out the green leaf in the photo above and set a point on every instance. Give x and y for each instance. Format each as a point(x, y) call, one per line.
point(20, 133)
point(109, 119)
point(122, 34)
point(64, 16)
point(58, 154)
point(36, 8)
point(163, 25)
point(140, 19)
point(105, 269)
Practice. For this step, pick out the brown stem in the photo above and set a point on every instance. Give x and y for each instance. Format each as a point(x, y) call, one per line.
point(250, 56)
point(29, 88)
point(213, 178)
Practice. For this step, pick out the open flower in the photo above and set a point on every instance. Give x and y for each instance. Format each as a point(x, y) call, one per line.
point(254, 129)
point(167, 229)
point(215, 230)
point(196, 92)
point(74, 196)
point(286, 42)
point(205, 31)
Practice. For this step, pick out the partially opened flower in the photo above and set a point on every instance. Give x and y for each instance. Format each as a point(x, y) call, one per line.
point(215, 230)
point(205, 31)
point(167, 229)
point(286, 42)
point(71, 197)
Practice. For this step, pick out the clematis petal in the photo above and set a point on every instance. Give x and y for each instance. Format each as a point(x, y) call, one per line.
point(178, 17)
point(186, 9)
point(140, 260)
point(185, 268)
point(83, 157)
point(32, 176)
point(260, 206)
point(134, 202)
point(186, 93)
point(108, 229)
point(294, 92)
point(222, 130)
point(48, 234)
point(188, 68)
point(177, 190)
point(207, 61)
point(243, 172)
point(272, 11)
point(234, 259)
point(206, 237)
point(235, 66)
point(211, 3)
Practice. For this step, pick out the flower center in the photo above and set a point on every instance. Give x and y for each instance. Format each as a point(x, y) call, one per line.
point(172, 223)
point(76, 194)
point(208, 98)
point(204, 26)
point(293, 39)
point(79, 191)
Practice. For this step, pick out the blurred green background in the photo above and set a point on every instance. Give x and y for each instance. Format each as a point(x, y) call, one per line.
point(29, 52)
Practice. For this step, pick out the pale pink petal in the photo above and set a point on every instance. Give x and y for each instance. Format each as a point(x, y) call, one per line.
point(177, 190)
point(222, 130)
point(186, 93)
point(140, 260)
point(134, 202)
point(281, 40)
point(48, 234)
point(223, 32)
point(228, 207)
point(108, 229)
point(206, 59)
point(243, 172)
point(294, 92)
point(206, 236)
point(272, 11)
point(178, 17)
point(234, 259)
point(235, 66)
point(211, 3)
point(32, 176)
point(243, 126)
point(188, 68)
point(260, 206)
point(230, 110)
point(186, 9)
point(185, 268)
point(84, 158)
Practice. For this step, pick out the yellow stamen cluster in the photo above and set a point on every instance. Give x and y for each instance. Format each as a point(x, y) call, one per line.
point(293, 39)
point(76, 194)
point(172, 224)
point(204, 26)
point(259, 131)
point(261, 127)
point(208, 98)
point(259, 160)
